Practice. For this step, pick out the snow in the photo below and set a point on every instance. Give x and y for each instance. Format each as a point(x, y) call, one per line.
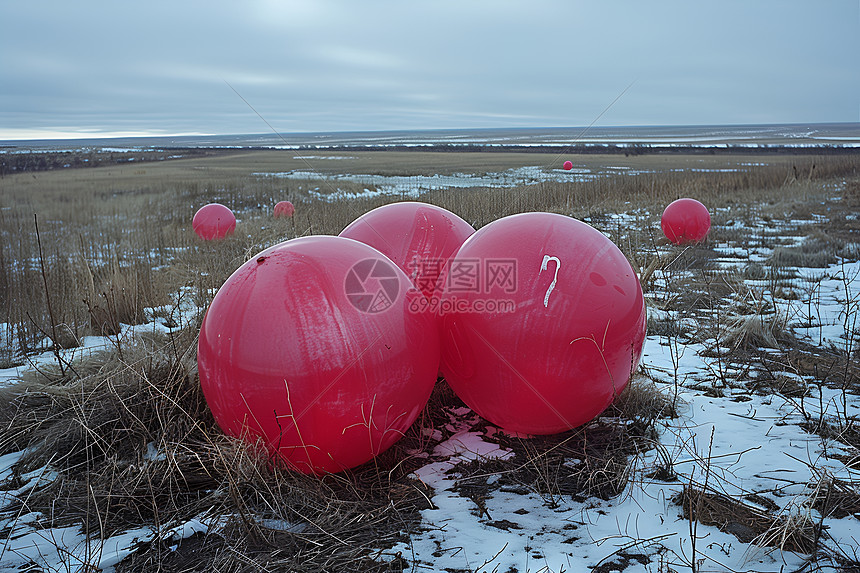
point(66, 548)
point(164, 320)
point(325, 157)
point(414, 185)
point(748, 454)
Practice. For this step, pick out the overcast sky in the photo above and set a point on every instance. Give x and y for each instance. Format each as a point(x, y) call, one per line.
point(94, 68)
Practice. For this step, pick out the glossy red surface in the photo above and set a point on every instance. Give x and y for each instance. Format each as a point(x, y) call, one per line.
point(685, 221)
point(311, 348)
point(420, 238)
point(213, 221)
point(546, 347)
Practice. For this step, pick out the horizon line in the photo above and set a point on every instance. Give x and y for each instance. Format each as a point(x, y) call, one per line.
point(18, 135)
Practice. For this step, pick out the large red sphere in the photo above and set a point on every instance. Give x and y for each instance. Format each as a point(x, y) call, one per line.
point(543, 322)
point(567, 165)
point(284, 209)
point(420, 238)
point(685, 221)
point(213, 221)
point(311, 347)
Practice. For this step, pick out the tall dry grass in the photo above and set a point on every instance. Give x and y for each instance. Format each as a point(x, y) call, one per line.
point(116, 241)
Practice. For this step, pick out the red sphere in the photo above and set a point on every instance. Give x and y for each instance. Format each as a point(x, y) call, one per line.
point(543, 322)
point(685, 221)
point(420, 238)
point(284, 209)
point(312, 349)
point(568, 165)
point(213, 221)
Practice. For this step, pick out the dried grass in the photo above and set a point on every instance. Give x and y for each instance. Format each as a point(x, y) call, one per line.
point(132, 444)
point(754, 331)
point(816, 252)
point(106, 229)
point(747, 521)
point(595, 460)
point(837, 498)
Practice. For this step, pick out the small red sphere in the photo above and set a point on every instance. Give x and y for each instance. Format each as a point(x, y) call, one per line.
point(284, 209)
point(213, 221)
point(685, 221)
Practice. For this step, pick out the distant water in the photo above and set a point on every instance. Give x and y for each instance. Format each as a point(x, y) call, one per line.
point(800, 135)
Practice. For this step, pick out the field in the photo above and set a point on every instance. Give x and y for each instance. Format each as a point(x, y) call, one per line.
point(735, 447)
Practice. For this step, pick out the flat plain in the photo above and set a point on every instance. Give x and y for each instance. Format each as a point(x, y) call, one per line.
point(736, 446)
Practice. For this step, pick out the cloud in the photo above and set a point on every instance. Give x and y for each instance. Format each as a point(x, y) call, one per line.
point(360, 57)
point(327, 65)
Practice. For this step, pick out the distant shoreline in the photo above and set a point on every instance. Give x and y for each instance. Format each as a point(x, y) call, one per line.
point(17, 161)
point(759, 140)
point(719, 136)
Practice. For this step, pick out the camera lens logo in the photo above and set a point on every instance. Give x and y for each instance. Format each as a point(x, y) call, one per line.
point(372, 285)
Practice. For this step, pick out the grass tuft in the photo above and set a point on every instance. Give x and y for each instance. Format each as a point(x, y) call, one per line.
point(747, 521)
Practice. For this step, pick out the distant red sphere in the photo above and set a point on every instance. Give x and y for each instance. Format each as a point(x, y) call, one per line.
point(568, 166)
point(420, 238)
point(543, 322)
point(213, 221)
point(284, 209)
point(312, 348)
point(685, 221)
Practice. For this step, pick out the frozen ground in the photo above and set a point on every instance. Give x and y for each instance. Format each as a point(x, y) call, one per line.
point(30, 544)
point(414, 185)
point(746, 444)
point(743, 444)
